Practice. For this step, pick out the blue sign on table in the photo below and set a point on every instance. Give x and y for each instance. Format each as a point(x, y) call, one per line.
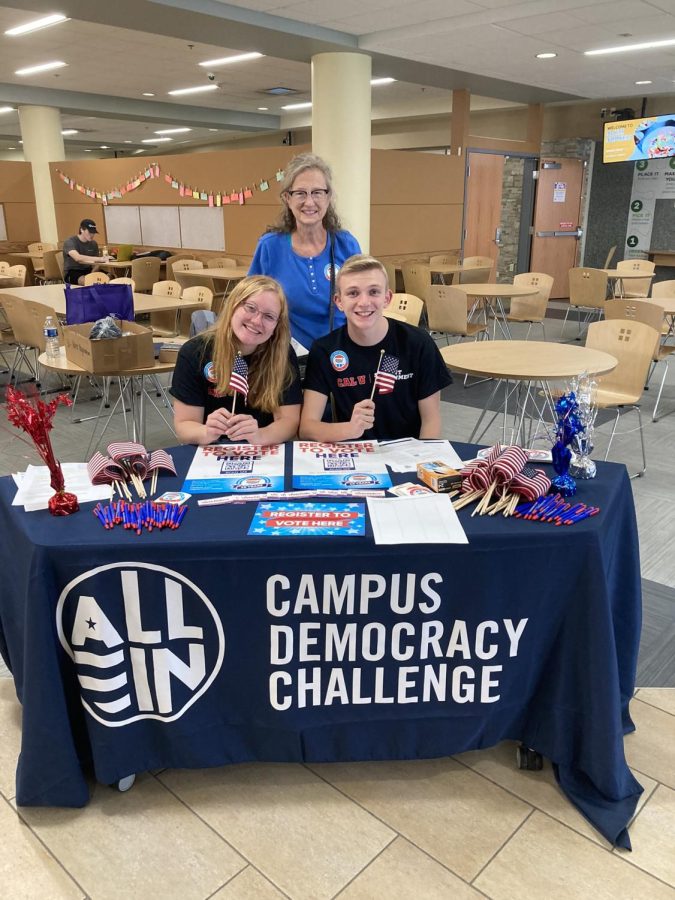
point(280, 519)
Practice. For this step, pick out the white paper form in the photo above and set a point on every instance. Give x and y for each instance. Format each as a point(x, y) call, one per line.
point(403, 455)
point(424, 519)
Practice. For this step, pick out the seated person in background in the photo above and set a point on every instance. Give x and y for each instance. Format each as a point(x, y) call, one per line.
point(80, 253)
point(244, 360)
point(407, 397)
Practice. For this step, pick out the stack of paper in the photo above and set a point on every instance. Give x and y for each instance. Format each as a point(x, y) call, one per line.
point(35, 490)
point(404, 454)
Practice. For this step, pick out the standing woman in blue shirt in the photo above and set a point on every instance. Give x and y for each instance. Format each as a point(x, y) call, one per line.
point(299, 249)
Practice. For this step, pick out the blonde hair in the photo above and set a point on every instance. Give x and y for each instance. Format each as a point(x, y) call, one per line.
point(361, 263)
point(299, 164)
point(269, 372)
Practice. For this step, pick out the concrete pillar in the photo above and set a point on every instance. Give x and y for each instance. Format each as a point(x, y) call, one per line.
point(42, 144)
point(341, 133)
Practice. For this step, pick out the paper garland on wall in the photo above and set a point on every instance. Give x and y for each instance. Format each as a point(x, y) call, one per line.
point(210, 197)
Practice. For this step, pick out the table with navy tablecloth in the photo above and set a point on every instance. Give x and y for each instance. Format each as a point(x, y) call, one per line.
point(204, 646)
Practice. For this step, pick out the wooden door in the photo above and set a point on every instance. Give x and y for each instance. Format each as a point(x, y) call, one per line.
point(557, 213)
point(483, 204)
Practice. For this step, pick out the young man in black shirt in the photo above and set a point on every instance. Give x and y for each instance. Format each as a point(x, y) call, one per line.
point(395, 364)
point(80, 253)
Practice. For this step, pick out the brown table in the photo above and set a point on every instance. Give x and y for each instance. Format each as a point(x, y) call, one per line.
point(531, 365)
point(492, 294)
point(618, 276)
point(54, 295)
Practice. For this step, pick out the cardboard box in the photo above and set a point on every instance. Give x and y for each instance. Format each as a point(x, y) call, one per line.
point(168, 352)
point(110, 356)
point(439, 476)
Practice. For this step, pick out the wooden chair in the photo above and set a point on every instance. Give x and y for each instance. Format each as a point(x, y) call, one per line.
point(610, 257)
point(447, 313)
point(197, 294)
point(407, 307)
point(145, 272)
point(664, 289)
point(445, 259)
point(480, 270)
point(533, 308)
point(27, 264)
point(4, 265)
point(186, 264)
point(96, 278)
point(17, 274)
point(124, 279)
point(632, 343)
point(636, 287)
point(173, 259)
point(165, 322)
point(390, 269)
point(26, 319)
point(51, 270)
point(61, 263)
point(38, 248)
point(218, 262)
point(651, 314)
point(417, 279)
point(588, 294)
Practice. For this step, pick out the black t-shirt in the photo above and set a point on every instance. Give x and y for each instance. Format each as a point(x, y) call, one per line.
point(86, 248)
point(191, 383)
point(338, 366)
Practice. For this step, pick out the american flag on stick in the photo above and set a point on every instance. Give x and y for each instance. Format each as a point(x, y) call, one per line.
point(530, 483)
point(239, 376)
point(385, 377)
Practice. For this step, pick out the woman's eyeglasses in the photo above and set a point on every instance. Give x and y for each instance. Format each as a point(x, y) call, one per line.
point(268, 318)
point(317, 194)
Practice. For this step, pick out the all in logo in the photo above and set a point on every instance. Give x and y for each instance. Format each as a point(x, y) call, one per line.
point(209, 373)
point(339, 360)
point(146, 641)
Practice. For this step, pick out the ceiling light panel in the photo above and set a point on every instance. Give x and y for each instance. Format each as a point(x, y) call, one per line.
point(226, 60)
point(37, 25)
point(42, 67)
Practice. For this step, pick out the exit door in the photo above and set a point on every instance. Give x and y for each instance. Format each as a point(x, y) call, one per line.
point(557, 214)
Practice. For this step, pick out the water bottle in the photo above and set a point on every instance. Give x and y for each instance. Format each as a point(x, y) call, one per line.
point(51, 333)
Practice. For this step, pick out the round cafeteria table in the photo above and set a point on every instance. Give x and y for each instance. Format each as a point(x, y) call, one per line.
point(492, 295)
point(531, 365)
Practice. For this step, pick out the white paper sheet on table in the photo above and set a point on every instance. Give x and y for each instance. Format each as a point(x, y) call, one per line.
point(35, 490)
point(403, 455)
point(424, 519)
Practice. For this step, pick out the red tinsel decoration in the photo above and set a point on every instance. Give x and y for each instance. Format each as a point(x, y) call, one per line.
point(35, 416)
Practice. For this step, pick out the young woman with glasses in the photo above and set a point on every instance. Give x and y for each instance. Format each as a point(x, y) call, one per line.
point(244, 361)
point(299, 249)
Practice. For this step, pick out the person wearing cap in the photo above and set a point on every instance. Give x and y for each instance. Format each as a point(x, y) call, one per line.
point(80, 253)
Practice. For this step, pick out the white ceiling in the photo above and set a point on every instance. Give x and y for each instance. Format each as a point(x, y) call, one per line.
point(115, 51)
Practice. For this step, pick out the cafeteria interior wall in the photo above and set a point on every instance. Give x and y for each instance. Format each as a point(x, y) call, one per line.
point(608, 209)
point(18, 199)
point(417, 199)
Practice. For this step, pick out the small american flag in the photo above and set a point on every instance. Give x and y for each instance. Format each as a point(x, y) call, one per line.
point(126, 449)
point(160, 459)
point(385, 377)
point(239, 377)
point(508, 464)
point(531, 483)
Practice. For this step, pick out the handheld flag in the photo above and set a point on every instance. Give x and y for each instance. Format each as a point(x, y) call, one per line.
point(385, 377)
point(239, 379)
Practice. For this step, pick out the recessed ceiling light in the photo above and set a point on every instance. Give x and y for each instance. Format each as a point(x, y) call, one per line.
point(547, 55)
point(140, 150)
point(36, 24)
point(376, 81)
point(194, 90)
point(68, 131)
point(643, 82)
point(104, 147)
point(648, 45)
point(173, 131)
point(6, 109)
point(43, 67)
point(11, 148)
point(156, 140)
point(297, 106)
point(87, 150)
point(148, 94)
point(213, 129)
point(241, 57)
point(128, 142)
point(263, 108)
point(279, 91)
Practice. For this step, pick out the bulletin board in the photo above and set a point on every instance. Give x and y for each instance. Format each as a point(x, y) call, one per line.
point(123, 224)
point(202, 227)
point(160, 226)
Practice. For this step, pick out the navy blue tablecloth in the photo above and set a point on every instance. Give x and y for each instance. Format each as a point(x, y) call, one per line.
point(204, 646)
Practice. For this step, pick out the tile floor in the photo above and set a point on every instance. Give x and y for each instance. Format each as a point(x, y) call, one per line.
point(469, 826)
